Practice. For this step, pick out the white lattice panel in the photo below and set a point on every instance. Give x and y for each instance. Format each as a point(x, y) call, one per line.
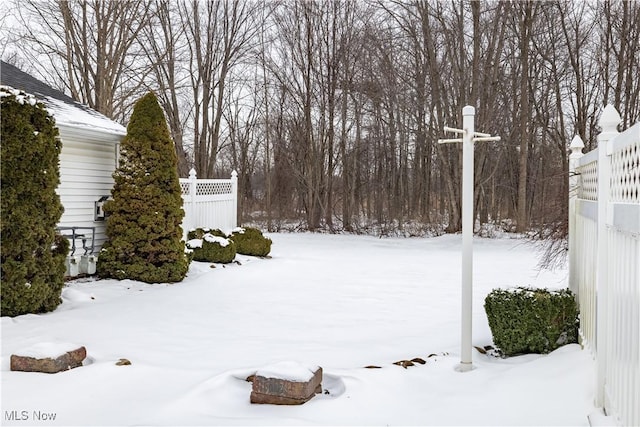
point(625, 174)
point(213, 187)
point(209, 203)
point(588, 189)
point(184, 186)
point(610, 243)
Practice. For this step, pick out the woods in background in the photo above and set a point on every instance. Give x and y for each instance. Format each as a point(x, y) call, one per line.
point(330, 111)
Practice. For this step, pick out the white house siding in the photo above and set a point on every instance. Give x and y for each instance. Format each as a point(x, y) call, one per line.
point(88, 156)
point(87, 163)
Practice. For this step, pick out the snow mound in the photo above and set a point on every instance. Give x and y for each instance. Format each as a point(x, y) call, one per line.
point(50, 350)
point(75, 295)
point(289, 371)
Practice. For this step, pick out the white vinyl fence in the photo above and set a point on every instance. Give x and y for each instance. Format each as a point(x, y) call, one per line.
point(210, 203)
point(604, 261)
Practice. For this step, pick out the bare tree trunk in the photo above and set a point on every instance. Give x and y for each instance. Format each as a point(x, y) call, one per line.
point(219, 38)
point(161, 41)
point(525, 116)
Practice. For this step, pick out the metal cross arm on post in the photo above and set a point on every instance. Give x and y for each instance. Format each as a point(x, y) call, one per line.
point(454, 130)
point(486, 138)
point(469, 136)
point(448, 141)
point(477, 136)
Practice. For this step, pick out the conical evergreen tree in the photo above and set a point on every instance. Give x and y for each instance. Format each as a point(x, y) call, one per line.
point(143, 227)
point(32, 266)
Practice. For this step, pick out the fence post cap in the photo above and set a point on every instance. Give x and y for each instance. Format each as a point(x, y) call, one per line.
point(576, 144)
point(468, 110)
point(609, 119)
point(234, 174)
point(192, 173)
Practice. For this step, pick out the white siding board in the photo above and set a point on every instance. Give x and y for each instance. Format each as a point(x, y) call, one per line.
point(79, 168)
point(81, 162)
point(79, 158)
point(77, 150)
point(76, 200)
point(84, 188)
point(86, 169)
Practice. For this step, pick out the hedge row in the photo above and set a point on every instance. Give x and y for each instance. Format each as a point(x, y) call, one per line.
point(215, 246)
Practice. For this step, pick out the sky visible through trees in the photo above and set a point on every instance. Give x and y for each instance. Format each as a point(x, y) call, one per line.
point(330, 111)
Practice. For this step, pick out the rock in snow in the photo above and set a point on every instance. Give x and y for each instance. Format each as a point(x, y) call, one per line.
point(287, 383)
point(49, 358)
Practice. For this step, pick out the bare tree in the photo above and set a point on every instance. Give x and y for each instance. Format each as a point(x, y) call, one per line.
point(165, 45)
point(220, 34)
point(620, 58)
point(242, 120)
point(91, 46)
point(332, 110)
point(524, 15)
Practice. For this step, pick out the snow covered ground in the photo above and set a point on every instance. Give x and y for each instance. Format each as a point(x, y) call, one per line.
point(338, 301)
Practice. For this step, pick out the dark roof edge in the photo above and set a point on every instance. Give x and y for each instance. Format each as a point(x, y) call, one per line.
point(10, 75)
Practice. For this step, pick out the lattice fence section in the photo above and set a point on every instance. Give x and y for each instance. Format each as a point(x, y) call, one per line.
point(588, 189)
point(209, 203)
point(213, 187)
point(625, 174)
point(605, 263)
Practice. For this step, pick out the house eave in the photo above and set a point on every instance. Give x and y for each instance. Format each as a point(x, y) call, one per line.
point(89, 134)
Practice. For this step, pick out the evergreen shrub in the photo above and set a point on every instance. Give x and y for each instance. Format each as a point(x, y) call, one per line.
point(525, 320)
point(211, 246)
point(143, 225)
point(250, 241)
point(33, 255)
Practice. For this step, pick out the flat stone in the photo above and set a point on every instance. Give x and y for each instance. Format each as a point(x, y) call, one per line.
point(49, 365)
point(283, 389)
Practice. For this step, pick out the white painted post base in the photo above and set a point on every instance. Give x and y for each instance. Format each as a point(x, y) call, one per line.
point(464, 367)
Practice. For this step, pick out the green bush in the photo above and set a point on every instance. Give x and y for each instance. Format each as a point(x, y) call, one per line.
point(211, 246)
point(524, 320)
point(143, 227)
point(250, 241)
point(33, 268)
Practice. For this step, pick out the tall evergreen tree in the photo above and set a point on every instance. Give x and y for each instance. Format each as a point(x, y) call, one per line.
point(143, 227)
point(32, 258)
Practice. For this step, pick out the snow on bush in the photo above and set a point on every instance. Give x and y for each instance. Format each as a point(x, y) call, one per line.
point(211, 246)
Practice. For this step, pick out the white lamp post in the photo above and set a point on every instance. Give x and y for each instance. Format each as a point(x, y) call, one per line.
point(469, 136)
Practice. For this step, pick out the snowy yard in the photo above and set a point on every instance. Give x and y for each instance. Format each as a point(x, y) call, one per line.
point(341, 302)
